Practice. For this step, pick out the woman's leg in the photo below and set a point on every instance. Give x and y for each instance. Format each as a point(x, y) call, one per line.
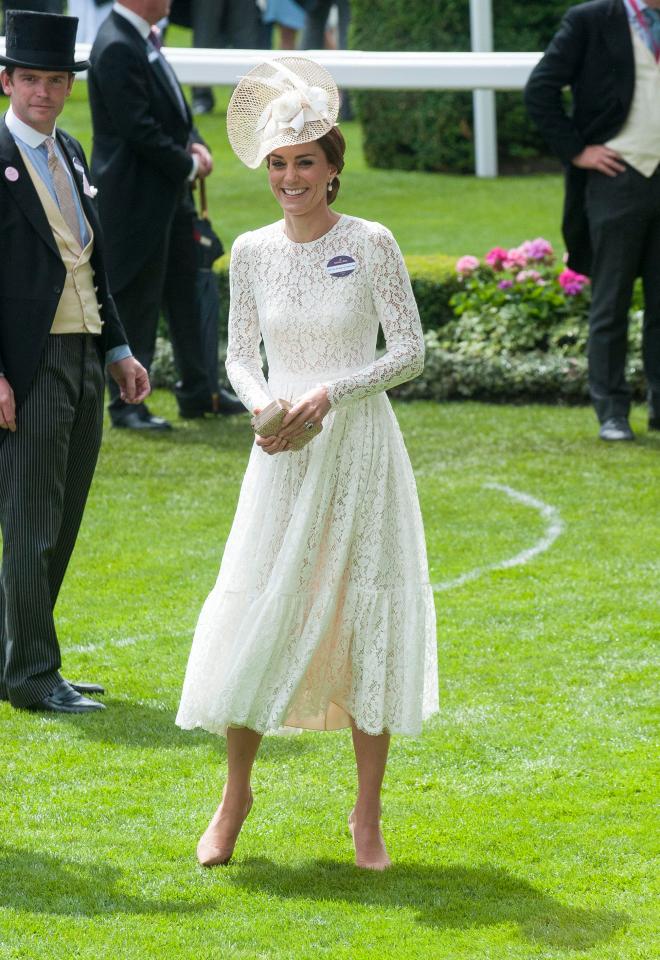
point(364, 821)
point(217, 843)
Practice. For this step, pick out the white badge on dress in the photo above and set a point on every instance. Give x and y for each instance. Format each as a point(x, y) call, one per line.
point(11, 173)
point(341, 266)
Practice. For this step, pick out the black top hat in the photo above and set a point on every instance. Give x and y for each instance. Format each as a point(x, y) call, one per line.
point(41, 41)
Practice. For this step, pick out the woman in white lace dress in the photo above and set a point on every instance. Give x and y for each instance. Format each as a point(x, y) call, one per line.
point(322, 616)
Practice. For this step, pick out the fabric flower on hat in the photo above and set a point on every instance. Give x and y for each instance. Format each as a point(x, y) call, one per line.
point(292, 110)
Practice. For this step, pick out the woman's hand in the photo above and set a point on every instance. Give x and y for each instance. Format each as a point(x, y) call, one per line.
point(272, 445)
point(310, 408)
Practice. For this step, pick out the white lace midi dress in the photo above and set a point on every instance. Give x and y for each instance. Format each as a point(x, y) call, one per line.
point(322, 610)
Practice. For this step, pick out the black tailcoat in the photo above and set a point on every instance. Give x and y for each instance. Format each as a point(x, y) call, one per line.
point(592, 53)
point(32, 273)
point(140, 156)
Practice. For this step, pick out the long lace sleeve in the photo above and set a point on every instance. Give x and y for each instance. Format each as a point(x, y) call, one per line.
point(244, 366)
point(398, 316)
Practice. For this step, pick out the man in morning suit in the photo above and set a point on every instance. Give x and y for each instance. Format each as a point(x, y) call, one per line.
point(59, 329)
point(145, 158)
point(608, 52)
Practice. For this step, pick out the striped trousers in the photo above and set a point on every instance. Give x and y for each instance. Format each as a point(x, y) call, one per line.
point(46, 468)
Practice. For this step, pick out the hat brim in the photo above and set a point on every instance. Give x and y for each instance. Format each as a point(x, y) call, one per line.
point(34, 64)
point(255, 91)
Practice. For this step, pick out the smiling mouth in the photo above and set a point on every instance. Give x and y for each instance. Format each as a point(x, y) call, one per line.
point(293, 193)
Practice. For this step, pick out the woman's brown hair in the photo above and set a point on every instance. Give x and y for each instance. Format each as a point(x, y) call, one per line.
point(334, 146)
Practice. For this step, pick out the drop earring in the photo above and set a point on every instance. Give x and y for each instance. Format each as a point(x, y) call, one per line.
point(330, 185)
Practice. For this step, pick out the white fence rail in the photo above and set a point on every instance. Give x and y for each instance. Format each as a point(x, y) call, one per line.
point(362, 69)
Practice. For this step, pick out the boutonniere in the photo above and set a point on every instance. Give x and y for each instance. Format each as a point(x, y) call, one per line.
point(89, 189)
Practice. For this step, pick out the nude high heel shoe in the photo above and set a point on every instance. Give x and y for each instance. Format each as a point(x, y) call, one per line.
point(216, 844)
point(370, 851)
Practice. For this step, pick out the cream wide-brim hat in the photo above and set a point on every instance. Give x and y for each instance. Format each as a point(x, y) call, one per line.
point(280, 103)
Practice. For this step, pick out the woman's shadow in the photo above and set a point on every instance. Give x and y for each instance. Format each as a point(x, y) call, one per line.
point(451, 897)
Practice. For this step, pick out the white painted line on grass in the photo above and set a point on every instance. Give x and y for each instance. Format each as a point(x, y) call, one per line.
point(554, 528)
point(91, 647)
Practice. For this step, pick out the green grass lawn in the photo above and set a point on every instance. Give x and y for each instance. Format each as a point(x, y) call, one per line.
point(521, 821)
point(428, 213)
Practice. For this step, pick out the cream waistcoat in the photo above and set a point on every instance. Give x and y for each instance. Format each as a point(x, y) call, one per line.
point(78, 309)
point(638, 141)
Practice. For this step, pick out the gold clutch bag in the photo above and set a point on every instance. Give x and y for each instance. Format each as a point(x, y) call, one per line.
point(268, 422)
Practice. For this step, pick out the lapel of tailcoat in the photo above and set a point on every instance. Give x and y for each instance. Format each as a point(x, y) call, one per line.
point(22, 189)
point(616, 33)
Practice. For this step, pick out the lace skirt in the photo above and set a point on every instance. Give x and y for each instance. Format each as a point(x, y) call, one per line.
point(322, 610)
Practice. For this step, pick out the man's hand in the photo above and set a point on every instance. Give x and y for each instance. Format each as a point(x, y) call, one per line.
point(601, 158)
point(204, 160)
point(131, 378)
point(7, 406)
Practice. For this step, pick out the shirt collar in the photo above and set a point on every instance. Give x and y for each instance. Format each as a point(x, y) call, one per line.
point(24, 132)
point(142, 26)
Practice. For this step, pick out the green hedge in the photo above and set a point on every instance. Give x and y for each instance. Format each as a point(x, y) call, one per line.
point(433, 131)
point(460, 374)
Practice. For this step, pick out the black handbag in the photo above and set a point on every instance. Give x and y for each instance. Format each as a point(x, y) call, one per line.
point(208, 246)
point(207, 242)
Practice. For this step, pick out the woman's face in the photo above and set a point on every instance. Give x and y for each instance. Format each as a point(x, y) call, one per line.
point(299, 177)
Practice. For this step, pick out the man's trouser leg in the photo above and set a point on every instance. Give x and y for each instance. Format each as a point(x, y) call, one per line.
point(138, 304)
point(46, 469)
point(620, 222)
point(182, 310)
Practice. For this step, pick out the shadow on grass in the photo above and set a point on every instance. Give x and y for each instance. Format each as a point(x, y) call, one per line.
point(452, 897)
point(44, 883)
point(228, 434)
point(134, 724)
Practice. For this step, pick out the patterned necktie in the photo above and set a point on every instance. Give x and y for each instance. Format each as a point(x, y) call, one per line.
point(652, 19)
point(63, 190)
point(154, 40)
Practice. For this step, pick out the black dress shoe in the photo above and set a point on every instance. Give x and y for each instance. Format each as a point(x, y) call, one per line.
point(140, 419)
point(223, 402)
point(616, 428)
point(227, 402)
point(64, 699)
point(87, 688)
point(203, 101)
point(654, 423)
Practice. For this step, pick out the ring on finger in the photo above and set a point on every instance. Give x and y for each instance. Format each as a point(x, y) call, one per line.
point(309, 424)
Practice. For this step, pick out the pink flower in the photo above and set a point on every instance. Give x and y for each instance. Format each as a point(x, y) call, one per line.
point(571, 282)
point(515, 259)
point(505, 284)
point(495, 258)
point(538, 249)
point(529, 275)
point(466, 265)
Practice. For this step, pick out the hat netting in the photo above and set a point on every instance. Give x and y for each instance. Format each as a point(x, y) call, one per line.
point(257, 89)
